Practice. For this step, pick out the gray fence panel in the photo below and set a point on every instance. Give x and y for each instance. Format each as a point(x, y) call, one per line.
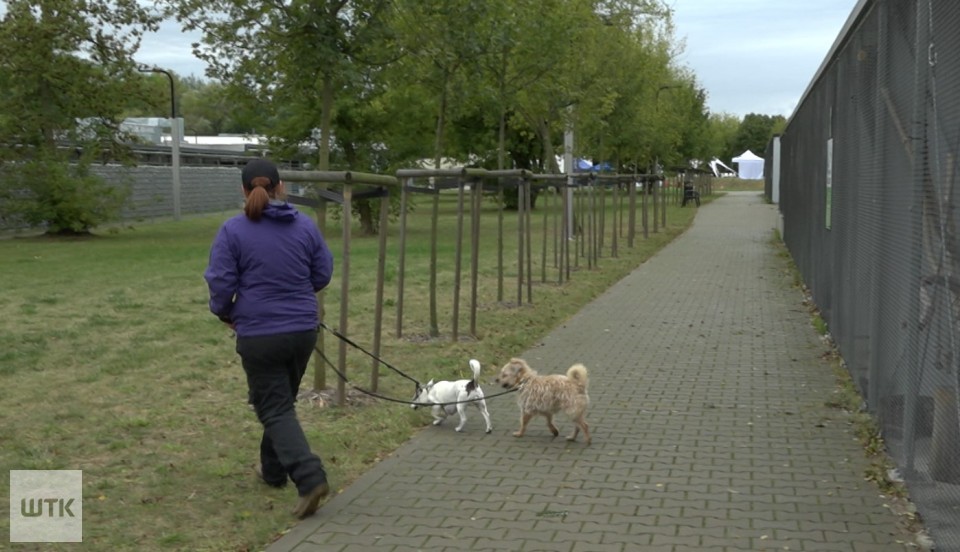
point(875, 237)
point(202, 190)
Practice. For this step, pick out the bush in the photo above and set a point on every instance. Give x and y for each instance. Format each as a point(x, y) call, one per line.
point(63, 197)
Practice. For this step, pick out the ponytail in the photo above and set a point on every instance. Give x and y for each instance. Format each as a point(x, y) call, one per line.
point(257, 200)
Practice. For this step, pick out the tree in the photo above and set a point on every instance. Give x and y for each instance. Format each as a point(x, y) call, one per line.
point(693, 125)
point(635, 106)
point(544, 106)
point(447, 41)
point(66, 69)
point(755, 132)
point(293, 61)
point(211, 107)
point(64, 196)
point(153, 99)
point(206, 106)
point(721, 130)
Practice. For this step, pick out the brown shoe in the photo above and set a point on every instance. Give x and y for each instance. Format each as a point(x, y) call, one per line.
point(307, 505)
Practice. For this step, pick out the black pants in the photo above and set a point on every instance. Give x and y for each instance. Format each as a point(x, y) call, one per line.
point(275, 364)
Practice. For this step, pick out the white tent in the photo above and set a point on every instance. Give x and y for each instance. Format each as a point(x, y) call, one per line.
point(751, 166)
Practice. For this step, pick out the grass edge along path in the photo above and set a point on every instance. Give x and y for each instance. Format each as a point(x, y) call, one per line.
point(849, 402)
point(112, 364)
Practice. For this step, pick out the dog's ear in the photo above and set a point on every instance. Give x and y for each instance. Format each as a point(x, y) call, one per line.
point(428, 385)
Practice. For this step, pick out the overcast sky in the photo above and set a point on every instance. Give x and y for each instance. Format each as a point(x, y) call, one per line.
point(757, 56)
point(751, 56)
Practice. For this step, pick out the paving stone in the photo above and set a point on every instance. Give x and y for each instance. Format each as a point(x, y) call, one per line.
point(707, 386)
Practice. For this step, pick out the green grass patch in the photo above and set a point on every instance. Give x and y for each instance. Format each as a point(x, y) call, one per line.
point(737, 185)
point(819, 324)
point(111, 363)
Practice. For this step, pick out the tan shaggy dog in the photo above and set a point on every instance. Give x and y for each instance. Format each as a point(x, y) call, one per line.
point(547, 395)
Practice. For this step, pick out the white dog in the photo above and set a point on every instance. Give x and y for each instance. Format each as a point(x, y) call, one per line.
point(448, 397)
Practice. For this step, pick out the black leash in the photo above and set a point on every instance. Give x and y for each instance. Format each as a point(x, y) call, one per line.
point(343, 376)
point(347, 340)
point(360, 389)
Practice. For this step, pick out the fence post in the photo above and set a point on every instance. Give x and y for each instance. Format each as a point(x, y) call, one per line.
point(919, 152)
point(521, 203)
point(500, 240)
point(378, 302)
point(457, 262)
point(344, 291)
point(319, 368)
point(476, 206)
point(663, 210)
point(402, 262)
point(434, 323)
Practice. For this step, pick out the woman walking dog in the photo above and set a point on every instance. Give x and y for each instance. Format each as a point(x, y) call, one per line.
point(266, 265)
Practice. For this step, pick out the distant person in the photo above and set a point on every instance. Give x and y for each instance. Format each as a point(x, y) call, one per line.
point(266, 265)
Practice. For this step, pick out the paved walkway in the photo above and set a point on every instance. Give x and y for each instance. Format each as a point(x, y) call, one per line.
point(709, 428)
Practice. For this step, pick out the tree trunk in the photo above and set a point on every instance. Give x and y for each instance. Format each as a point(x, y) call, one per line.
point(441, 122)
point(502, 140)
point(323, 160)
point(549, 163)
point(368, 226)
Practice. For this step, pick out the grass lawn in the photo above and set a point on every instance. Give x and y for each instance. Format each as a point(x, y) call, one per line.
point(111, 363)
point(737, 185)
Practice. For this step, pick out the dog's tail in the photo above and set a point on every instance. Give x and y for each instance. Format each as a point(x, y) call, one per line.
point(475, 366)
point(578, 373)
point(475, 382)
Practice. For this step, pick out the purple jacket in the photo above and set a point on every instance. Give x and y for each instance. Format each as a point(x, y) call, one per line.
point(263, 275)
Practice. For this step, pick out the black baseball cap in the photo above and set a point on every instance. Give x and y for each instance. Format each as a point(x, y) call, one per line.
point(260, 168)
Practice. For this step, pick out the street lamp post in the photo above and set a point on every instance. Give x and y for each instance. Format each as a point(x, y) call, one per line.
point(174, 137)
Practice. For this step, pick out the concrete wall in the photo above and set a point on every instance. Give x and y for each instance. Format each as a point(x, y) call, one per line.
point(202, 190)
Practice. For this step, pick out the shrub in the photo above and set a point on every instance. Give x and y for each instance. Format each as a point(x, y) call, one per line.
point(63, 197)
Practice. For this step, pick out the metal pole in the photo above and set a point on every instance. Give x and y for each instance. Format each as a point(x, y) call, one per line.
point(175, 165)
point(568, 169)
point(174, 137)
point(918, 149)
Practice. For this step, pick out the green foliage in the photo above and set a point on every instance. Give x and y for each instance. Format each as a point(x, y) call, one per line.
point(449, 41)
point(488, 82)
point(64, 196)
point(755, 132)
point(299, 65)
point(151, 97)
point(819, 324)
point(66, 71)
point(207, 107)
point(292, 63)
point(722, 129)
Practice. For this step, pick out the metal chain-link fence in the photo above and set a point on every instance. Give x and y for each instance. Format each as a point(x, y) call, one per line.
point(868, 193)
